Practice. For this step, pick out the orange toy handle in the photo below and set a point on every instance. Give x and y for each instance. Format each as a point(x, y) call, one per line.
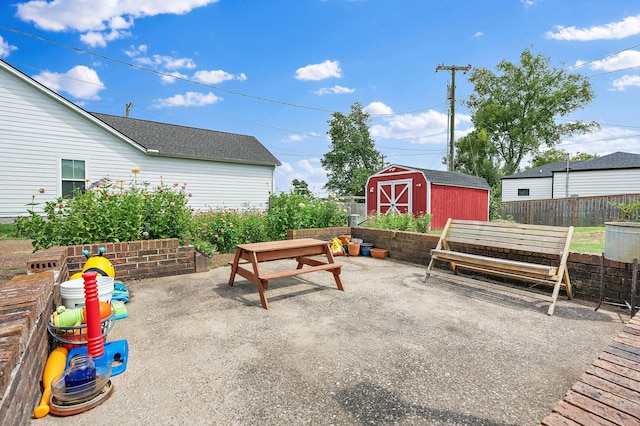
point(53, 368)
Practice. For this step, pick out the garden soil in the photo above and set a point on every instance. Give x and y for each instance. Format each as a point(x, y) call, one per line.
point(390, 349)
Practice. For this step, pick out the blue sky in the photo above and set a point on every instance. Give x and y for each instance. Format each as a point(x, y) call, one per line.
point(277, 69)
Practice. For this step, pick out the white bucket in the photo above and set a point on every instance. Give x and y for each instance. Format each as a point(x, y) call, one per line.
point(72, 291)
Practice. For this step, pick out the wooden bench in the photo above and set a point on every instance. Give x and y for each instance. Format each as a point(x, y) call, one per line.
point(542, 242)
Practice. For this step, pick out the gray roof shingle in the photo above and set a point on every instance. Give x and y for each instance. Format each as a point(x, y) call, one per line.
point(617, 160)
point(442, 177)
point(190, 142)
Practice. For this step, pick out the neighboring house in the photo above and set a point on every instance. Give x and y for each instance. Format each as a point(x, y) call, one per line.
point(443, 195)
point(613, 174)
point(48, 142)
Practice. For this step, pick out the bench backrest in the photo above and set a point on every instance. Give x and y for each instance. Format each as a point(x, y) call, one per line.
point(553, 240)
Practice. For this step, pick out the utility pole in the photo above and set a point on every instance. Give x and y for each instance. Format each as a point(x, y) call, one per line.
point(452, 108)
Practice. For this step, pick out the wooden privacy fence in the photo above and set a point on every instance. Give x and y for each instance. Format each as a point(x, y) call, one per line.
point(578, 211)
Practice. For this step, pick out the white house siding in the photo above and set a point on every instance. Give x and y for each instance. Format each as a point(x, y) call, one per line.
point(37, 130)
point(539, 188)
point(597, 182)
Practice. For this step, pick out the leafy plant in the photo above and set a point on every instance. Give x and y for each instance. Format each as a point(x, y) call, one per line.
point(628, 211)
point(109, 213)
point(400, 222)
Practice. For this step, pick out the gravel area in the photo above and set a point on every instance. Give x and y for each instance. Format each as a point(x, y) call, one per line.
point(390, 349)
point(14, 255)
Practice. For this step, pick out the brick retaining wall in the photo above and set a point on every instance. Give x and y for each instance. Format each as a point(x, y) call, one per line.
point(27, 302)
point(413, 247)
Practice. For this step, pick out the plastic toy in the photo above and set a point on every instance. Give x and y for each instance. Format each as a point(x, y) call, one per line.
point(72, 317)
point(98, 264)
point(120, 292)
point(119, 309)
point(54, 367)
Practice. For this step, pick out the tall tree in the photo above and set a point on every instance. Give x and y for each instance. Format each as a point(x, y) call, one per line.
point(554, 155)
point(478, 156)
point(518, 106)
point(353, 156)
point(300, 187)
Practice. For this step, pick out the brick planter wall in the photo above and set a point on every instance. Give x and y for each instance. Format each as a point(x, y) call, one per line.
point(412, 247)
point(27, 302)
point(139, 259)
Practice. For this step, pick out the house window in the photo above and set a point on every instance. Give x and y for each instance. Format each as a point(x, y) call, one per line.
point(523, 192)
point(73, 174)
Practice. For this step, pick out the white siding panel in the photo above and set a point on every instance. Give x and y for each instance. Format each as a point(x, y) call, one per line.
point(539, 188)
point(37, 131)
point(597, 182)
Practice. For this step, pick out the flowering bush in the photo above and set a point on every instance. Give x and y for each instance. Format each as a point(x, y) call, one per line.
point(295, 211)
point(109, 213)
point(113, 213)
point(400, 222)
point(224, 229)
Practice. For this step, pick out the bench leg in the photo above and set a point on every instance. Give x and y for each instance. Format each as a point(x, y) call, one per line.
point(234, 267)
point(554, 298)
point(262, 284)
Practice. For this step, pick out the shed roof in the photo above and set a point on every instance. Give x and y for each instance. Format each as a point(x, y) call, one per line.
point(442, 177)
point(190, 142)
point(617, 160)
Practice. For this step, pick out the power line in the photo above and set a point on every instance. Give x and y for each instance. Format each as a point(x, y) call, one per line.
point(188, 80)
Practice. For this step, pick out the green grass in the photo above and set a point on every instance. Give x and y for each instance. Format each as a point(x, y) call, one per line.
point(585, 240)
point(588, 239)
point(8, 232)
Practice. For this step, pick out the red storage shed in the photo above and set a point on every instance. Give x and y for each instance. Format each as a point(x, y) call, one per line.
point(442, 194)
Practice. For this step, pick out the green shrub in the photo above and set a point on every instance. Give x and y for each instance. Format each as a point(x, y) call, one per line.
point(224, 229)
point(109, 213)
point(400, 222)
point(295, 211)
point(628, 211)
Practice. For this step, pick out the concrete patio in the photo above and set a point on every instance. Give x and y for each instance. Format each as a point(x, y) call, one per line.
point(388, 350)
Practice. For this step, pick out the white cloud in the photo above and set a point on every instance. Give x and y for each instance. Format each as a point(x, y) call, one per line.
point(189, 99)
point(377, 108)
point(320, 71)
point(109, 18)
point(171, 78)
point(479, 34)
point(80, 82)
point(626, 81)
point(5, 48)
point(217, 76)
point(427, 127)
point(335, 90)
point(628, 27)
point(622, 60)
point(310, 170)
point(602, 141)
point(136, 51)
point(171, 63)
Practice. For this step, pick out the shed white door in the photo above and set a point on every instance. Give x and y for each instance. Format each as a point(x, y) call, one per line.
point(394, 196)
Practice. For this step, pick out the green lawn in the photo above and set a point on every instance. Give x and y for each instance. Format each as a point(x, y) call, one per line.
point(586, 240)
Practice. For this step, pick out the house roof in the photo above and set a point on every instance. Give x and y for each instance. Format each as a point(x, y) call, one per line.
point(617, 160)
point(166, 139)
point(441, 177)
point(190, 142)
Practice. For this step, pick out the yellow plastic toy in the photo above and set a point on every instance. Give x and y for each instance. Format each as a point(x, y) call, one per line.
point(98, 264)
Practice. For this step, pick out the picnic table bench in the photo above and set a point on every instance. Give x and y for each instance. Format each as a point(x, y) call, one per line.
point(303, 250)
point(548, 245)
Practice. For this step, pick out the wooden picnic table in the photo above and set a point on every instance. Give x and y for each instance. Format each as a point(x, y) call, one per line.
point(301, 250)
